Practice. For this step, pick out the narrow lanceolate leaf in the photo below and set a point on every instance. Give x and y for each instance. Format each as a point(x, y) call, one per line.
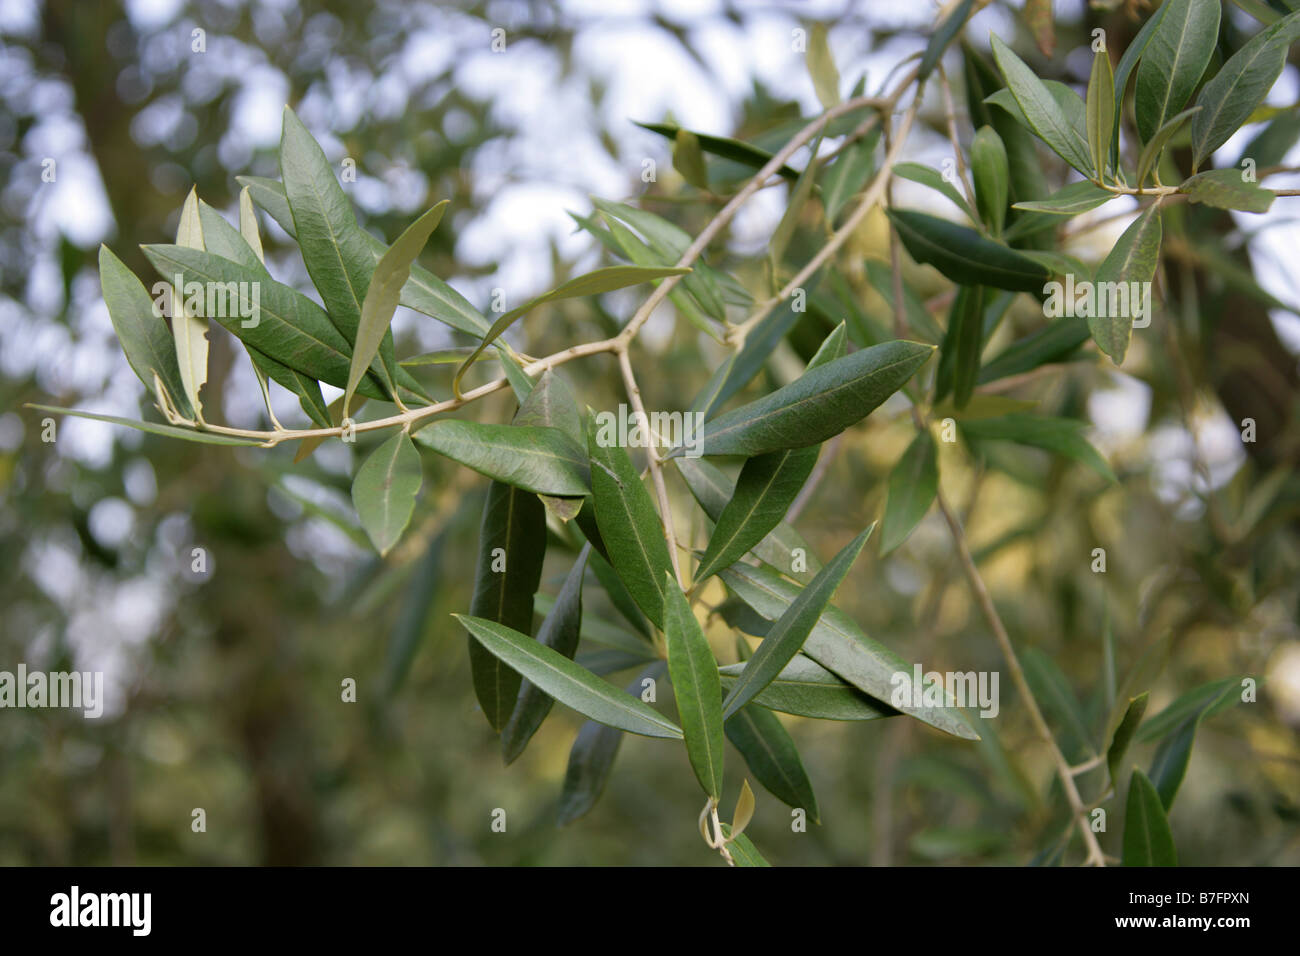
point(1150, 155)
point(590, 760)
point(1270, 145)
point(334, 248)
point(1148, 840)
point(1169, 765)
point(833, 347)
point(742, 849)
point(629, 525)
point(1064, 436)
point(806, 689)
point(607, 279)
point(560, 632)
point(943, 35)
point(1132, 260)
point(1054, 342)
point(694, 674)
point(569, 683)
point(963, 343)
point(536, 458)
point(1041, 110)
point(244, 246)
point(988, 162)
point(625, 242)
point(511, 550)
point(821, 67)
point(839, 645)
point(1124, 733)
point(1072, 108)
point(384, 490)
point(252, 237)
point(1226, 189)
point(169, 431)
point(451, 356)
point(1069, 200)
point(592, 757)
point(772, 758)
point(1027, 173)
point(1208, 698)
point(746, 154)
point(424, 292)
point(1127, 63)
point(248, 224)
point(142, 333)
point(1101, 111)
point(767, 486)
point(1173, 61)
point(964, 256)
point(667, 243)
point(792, 628)
point(929, 176)
point(414, 614)
point(912, 486)
point(1240, 86)
point(819, 404)
point(782, 545)
point(383, 293)
point(280, 322)
point(848, 175)
point(189, 330)
point(688, 159)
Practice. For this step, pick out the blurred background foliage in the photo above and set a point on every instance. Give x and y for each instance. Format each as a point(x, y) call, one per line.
point(225, 687)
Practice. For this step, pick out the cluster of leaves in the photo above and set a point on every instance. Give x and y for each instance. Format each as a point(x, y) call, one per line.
point(553, 476)
point(1167, 63)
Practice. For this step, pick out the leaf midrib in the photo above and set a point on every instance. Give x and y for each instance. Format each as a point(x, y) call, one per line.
point(834, 390)
point(690, 648)
point(1173, 68)
point(707, 569)
point(609, 694)
point(1000, 270)
point(771, 753)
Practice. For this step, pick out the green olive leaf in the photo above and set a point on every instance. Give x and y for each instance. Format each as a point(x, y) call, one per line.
point(694, 673)
point(383, 293)
point(568, 682)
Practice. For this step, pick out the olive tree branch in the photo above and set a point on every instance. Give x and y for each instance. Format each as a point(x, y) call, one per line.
point(728, 212)
point(1095, 855)
point(869, 201)
point(963, 173)
point(272, 438)
point(619, 342)
point(653, 462)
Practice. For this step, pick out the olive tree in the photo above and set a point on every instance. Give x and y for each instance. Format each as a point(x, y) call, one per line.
point(597, 484)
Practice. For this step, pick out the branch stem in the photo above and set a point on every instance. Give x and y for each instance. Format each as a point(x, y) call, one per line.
point(1095, 855)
